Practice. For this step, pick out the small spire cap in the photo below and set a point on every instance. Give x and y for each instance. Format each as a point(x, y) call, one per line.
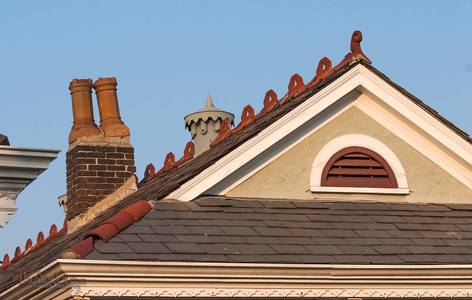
point(209, 111)
point(209, 102)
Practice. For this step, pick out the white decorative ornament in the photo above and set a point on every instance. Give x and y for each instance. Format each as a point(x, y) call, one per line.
point(279, 293)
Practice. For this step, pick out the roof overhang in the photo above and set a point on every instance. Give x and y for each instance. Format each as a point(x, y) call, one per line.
point(18, 168)
point(392, 109)
point(68, 278)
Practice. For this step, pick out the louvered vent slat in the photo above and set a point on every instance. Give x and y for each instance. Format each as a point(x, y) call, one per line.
point(358, 167)
point(358, 172)
point(352, 162)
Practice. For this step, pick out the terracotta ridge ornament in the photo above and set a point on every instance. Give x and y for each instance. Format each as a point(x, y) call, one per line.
point(169, 161)
point(295, 87)
point(225, 131)
point(247, 117)
point(52, 231)
point(356, 49)
point(149, 173)
point(270, 102)
point(5, 262)
point(18, 253)
point(40, 239)
point(188, 154)
point(29, 247)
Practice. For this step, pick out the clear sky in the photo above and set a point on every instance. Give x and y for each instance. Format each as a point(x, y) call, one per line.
point(167, 55)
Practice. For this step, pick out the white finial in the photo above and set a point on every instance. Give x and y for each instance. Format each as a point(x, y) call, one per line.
point(209, 102)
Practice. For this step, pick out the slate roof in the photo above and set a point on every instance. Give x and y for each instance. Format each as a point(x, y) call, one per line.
point(219, 229)
point(421, 223)
point(155, 189)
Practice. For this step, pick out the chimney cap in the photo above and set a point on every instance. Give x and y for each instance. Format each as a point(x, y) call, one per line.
point(209, 111)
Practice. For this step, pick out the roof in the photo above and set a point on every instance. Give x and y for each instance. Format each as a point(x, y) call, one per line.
point(155, 186)
point(219, 229)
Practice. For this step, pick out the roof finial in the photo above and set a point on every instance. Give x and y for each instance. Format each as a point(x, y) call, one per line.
point(356, 49)
point(209, 102)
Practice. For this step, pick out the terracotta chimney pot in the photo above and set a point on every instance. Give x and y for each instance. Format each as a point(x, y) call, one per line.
point(97, 166)
point(84, 124)
point(110, 120)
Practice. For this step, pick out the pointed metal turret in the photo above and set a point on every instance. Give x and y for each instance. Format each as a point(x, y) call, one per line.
point(205, 123)
point(209, 102)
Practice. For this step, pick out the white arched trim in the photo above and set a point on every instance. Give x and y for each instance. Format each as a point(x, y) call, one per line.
point(358, 140)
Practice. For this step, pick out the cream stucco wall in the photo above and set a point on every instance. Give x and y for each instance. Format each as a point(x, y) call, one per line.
point(289, 175)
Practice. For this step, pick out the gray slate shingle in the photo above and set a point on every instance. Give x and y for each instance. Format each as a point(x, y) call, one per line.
point(283, 231)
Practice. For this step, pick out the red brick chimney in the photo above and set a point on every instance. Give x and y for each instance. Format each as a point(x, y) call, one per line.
point(99, 159)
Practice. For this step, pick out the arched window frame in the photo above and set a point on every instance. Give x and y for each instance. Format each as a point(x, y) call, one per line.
point(364, 141)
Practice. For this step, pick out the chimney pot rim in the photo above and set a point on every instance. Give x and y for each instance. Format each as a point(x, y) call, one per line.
point(104, 81)
point(77, 85)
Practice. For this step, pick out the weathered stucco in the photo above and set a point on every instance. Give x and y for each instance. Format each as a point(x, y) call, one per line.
point(289, 175)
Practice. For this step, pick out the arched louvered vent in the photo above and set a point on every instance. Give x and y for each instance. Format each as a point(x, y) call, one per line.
point(358, 167)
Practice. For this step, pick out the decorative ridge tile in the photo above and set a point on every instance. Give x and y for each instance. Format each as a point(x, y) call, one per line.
point(109, 228)
point(29, 247)
point(270, 103)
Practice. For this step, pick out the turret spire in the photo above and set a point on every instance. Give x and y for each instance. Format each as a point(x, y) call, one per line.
point(205, 124)
point(209, 102)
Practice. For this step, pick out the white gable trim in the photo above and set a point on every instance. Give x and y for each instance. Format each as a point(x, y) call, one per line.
point(357, 77)
point(385, 118)
point(271, 154)
point(359, 140)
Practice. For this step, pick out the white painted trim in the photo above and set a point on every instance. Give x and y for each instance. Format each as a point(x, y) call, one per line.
point(18, 168)
point(271, 154)
point(416, 114)
point(404, 131)
point(357, 140)
point(268, 137)
point(359, 77)
point(98, 278)
point(296, 293)
point(359, 190)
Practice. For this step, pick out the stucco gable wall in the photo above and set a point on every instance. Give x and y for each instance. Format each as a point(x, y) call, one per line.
point(289, 175)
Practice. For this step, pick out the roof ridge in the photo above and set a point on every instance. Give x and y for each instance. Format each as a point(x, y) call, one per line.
point(295, 88)
point(109, 228)
point(421, 103)
point(29, 247)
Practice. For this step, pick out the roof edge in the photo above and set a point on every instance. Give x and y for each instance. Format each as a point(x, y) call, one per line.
point(425, 280)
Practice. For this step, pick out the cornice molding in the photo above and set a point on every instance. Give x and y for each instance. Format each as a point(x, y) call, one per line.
point(18, 168)
point(275, 292)
point(89, 278)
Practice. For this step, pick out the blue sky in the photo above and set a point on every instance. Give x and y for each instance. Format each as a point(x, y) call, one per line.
point(167, 55)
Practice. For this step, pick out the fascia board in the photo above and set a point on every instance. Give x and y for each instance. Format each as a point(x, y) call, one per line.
point(92, 277)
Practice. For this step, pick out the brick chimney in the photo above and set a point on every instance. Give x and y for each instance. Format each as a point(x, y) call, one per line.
point(99, 159)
